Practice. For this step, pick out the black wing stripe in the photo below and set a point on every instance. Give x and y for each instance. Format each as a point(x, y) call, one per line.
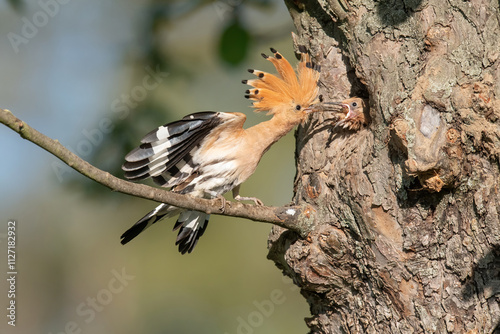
point(164, 164)
point(139, 153)
point(178, 139)
point(167, 131)
point(185, 149)
point(160, 157)
point(139, 174)
point(160, 180)
point(172, 158)
point(171, 177)
point(174, 128)
point(157, 147)
point(170, 134)
point(175, 153)
point(129, 166)
point(178, 173)
point(152, 152)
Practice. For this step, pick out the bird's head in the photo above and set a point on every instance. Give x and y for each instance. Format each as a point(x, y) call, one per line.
point(354, 112)
point(289, 93)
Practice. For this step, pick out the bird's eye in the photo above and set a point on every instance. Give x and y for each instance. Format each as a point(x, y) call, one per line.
point(354, 104)
point(297, 107)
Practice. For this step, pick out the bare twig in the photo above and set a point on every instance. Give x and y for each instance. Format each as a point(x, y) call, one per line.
point(295, 218)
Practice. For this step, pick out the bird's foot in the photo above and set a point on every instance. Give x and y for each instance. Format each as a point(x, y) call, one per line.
point(254, 199)
point(223, 203)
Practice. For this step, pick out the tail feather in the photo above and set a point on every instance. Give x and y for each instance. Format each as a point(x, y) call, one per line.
point(160, 212)
point(192, 225)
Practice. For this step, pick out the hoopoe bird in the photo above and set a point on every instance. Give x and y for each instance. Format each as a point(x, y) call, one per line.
point(355, 112)
point(207, 154)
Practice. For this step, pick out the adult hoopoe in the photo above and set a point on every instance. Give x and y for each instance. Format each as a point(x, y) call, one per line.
point(207, 154)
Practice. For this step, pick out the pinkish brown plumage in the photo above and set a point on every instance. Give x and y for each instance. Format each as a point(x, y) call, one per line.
point(207, 154)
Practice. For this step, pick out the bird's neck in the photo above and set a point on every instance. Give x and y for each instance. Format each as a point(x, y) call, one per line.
point(271, 131)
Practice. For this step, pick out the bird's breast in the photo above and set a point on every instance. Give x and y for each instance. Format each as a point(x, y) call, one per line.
point(221, 165)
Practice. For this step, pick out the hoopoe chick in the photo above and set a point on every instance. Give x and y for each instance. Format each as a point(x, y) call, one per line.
point(355, 112)
point(207, 154)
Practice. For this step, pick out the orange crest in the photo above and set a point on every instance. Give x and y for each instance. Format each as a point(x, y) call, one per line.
point(287, 88)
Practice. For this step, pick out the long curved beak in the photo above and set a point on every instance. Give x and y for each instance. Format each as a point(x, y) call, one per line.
point(314, 108)
point(328, 107)
point(331, 106)
point(335, 104)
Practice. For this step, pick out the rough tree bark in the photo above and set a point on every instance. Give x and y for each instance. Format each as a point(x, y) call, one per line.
point(407, 238)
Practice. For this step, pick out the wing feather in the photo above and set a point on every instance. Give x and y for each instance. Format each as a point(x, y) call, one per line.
point(167, 150)
point(168, 162)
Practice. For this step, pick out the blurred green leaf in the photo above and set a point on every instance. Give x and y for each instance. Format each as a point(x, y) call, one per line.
point(234, 43)
point(17, 5)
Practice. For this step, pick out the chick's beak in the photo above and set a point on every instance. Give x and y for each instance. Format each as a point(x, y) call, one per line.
point(350, 113)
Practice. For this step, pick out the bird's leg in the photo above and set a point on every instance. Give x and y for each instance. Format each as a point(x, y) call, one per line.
point(236, 196)
point(223, 201)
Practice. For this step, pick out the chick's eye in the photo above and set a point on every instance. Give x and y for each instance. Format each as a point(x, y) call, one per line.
point(298, 107)
point(354, 104)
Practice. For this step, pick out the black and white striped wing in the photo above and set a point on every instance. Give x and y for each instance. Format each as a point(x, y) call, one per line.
point(166, 153)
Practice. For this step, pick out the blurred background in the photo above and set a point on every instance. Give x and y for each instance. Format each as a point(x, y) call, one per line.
point(97, 76)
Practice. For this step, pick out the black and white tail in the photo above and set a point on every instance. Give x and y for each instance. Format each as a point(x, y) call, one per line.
point(192, 225)
point(170, 156)
point(160, 212)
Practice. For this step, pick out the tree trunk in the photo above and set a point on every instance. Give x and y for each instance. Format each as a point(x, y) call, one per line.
point(406, 234)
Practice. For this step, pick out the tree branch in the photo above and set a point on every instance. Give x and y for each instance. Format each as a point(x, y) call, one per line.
point(296, 218)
